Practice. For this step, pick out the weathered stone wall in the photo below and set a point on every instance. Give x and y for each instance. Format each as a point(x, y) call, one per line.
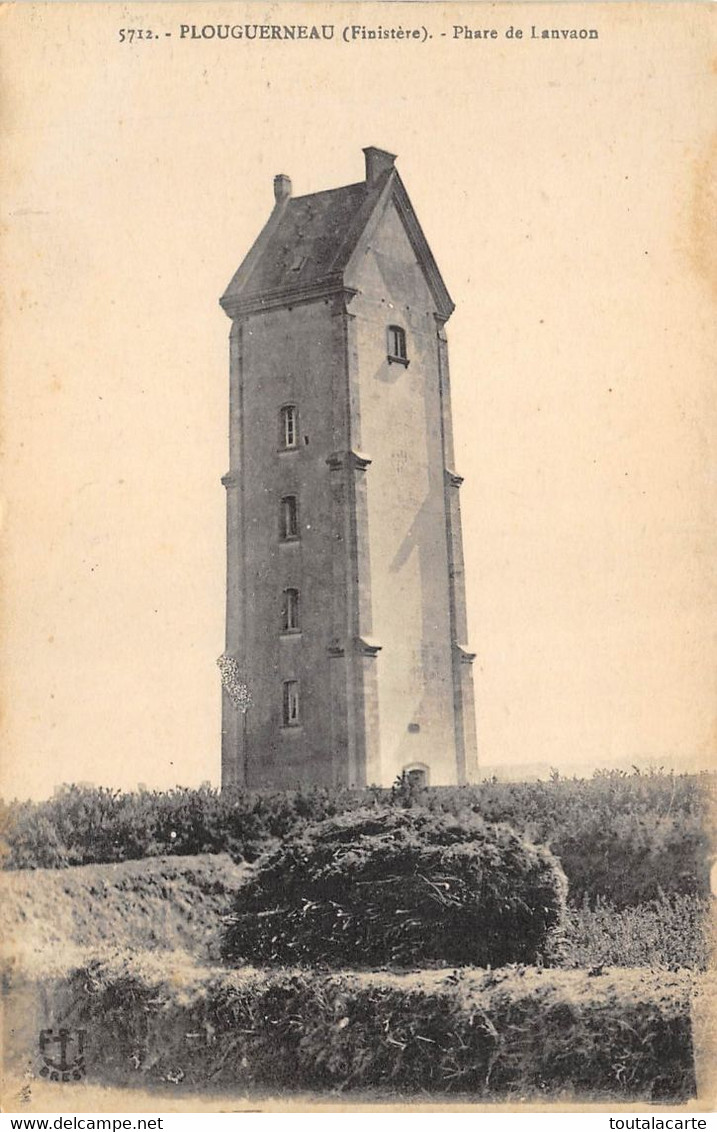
point(287, 356)
point(400, 429)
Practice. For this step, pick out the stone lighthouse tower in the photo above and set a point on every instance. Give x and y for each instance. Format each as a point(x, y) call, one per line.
point(346, 617)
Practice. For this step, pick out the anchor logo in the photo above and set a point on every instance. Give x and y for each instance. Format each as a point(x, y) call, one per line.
point(64, 1067)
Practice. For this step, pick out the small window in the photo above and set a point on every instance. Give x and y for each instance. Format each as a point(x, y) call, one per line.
point(289, 518)
point(397, 345)
point(290, 612)
point(289, 431)
point(291, 703)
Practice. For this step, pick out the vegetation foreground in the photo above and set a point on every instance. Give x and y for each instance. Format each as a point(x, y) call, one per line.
point(404, 888)
point(624, 1034)
point(50, 917)
point(129, 948)
point(625, 838)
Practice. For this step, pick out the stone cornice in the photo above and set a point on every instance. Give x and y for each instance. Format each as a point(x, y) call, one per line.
point(368, 647)
point(453, 478)
point(357, 460)
point(236, 307)
point(365, 646)
point(464, 654)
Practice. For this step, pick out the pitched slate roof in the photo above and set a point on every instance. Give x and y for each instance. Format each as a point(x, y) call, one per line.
point(303, 245)
point(308, 241)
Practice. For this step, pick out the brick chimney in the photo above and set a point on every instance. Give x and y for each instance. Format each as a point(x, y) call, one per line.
point(378, 163)
point(282, 187)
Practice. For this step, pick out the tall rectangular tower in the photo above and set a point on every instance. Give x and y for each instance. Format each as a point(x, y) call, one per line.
point(346, 618)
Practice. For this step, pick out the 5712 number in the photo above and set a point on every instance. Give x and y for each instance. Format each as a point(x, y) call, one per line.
point(128, 35)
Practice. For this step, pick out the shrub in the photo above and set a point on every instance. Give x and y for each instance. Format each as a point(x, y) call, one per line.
point(671, 933)
point(626, 1035)
point(96, 825)
point(627, 838)
point(406, 887)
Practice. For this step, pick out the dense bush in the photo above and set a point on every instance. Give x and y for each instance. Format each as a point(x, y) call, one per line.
point(516, 1031)
point(672, 933)
point(82, 826)
point(392, 886)
point(627, 838)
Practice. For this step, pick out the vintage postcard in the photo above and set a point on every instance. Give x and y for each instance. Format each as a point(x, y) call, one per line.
point(358, 517)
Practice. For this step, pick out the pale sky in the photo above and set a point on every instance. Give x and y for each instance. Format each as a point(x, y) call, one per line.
point(563, 187)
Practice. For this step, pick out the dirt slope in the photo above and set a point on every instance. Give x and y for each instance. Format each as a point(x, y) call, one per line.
point(160, 903)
